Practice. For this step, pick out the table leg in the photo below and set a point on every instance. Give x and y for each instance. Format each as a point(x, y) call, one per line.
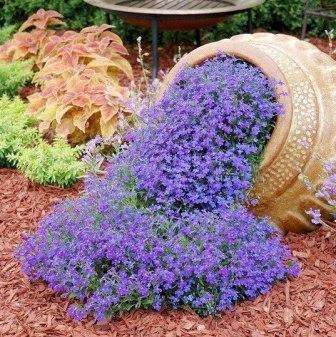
point(250, 26)
point(108, 18)
point(198, 37)
point(155, 56)
point(304, 26)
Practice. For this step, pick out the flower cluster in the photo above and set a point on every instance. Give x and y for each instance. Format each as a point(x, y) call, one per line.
point(206, 136)
point(163, 227)
point(326, 192)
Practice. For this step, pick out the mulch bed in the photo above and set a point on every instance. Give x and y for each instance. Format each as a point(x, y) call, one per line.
point(305, 306)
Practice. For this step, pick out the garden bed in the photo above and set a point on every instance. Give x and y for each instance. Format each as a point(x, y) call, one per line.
point(304, 306)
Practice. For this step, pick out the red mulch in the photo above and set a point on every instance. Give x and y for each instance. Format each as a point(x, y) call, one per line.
point(322, 44)
point(305, 306)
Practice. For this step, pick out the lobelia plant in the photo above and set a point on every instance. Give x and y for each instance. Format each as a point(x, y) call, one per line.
point(206, 137)
point(113, 259)
point(326, 192)
point(163, 228)
point(99, 150)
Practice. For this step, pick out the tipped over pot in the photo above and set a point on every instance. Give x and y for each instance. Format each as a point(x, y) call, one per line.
point(303, 138)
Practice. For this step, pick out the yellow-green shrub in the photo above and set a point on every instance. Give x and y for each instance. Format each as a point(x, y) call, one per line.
point(14, 76)
point(16, 129)
point(51, 164)
point(22, 146)
point(6, 33)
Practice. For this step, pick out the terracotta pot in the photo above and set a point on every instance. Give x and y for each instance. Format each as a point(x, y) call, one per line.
point(304, 137)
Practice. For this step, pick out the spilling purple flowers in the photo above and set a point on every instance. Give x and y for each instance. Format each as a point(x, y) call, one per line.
point(165, 228)
point(206, 136)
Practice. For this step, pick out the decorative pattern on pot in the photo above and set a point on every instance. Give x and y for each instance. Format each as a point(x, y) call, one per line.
point(304, 137)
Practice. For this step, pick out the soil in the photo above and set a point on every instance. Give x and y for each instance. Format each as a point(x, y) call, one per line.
point(305, 306)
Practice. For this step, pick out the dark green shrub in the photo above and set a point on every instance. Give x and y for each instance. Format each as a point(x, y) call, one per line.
point(76, 12)
point(286, 16)
point(278, 16)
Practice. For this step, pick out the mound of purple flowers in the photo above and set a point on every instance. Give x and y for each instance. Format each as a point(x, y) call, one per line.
point(164, 227)
point(114, 258)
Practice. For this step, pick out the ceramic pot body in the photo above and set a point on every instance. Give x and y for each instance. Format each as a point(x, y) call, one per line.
point(303, 138)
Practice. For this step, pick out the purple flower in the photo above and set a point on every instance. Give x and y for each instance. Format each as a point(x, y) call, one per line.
point(315, 215)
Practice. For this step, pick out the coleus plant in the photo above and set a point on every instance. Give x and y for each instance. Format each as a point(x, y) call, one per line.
point(31, 37)
point(78, 76)
point(80, 94)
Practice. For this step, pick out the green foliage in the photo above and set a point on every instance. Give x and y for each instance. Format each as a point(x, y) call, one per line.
point(14, 76)
point(56, 164)
point(16, 130)
point(22, 146)
point(78, 13)
point(279, 16)
point(286, 16)
point(7, 32)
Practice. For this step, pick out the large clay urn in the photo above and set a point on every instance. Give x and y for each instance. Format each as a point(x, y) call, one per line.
point(303, 138)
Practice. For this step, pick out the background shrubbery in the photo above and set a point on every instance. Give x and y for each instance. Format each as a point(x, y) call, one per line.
point(76, 12)
point(283, 16)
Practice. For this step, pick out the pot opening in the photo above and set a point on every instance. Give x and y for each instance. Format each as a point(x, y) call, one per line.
point(258, 60)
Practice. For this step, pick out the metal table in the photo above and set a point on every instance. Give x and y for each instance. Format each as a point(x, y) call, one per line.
point(175, 15)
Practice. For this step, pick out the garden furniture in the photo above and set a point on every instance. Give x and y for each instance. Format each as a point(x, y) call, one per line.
point(326, 9)
point(175, 15)
point(306, 129)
